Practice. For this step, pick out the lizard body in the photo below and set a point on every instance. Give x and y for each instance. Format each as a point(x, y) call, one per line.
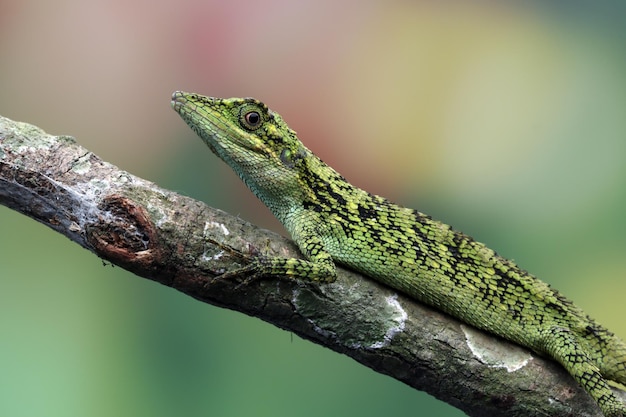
point(334, 222)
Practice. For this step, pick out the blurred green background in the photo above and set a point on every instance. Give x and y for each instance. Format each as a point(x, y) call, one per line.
point(504, 119)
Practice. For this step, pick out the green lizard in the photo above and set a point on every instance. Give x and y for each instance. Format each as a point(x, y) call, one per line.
point(334, 222)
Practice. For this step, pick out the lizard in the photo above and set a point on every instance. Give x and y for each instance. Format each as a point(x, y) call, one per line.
point(335, 223)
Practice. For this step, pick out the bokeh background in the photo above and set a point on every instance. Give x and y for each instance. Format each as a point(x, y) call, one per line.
point(505, 119)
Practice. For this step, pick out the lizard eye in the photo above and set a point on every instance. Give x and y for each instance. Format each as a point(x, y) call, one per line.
point(252, 120)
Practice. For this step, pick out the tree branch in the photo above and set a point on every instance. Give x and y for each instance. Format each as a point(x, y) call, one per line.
point(169, 238)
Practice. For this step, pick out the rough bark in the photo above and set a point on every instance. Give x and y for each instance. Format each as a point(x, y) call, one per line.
point(169, 238)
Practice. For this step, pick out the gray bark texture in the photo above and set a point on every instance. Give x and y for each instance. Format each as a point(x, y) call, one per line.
point(172, 239)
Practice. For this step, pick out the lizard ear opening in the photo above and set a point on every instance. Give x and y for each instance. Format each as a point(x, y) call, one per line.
point(290, 158)
point(286, 157)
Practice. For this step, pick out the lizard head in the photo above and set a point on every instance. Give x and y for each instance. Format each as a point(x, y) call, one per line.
point(256, 143)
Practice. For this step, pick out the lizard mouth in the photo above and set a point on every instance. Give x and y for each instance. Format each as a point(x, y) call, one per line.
point(178, 101)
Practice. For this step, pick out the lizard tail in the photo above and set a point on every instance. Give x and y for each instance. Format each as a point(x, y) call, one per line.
point(586, 366)
point(613, 363)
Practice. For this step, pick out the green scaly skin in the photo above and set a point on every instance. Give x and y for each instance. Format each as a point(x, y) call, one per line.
point(335, 222)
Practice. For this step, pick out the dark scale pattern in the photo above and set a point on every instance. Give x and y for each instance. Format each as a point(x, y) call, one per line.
point(332, 221)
